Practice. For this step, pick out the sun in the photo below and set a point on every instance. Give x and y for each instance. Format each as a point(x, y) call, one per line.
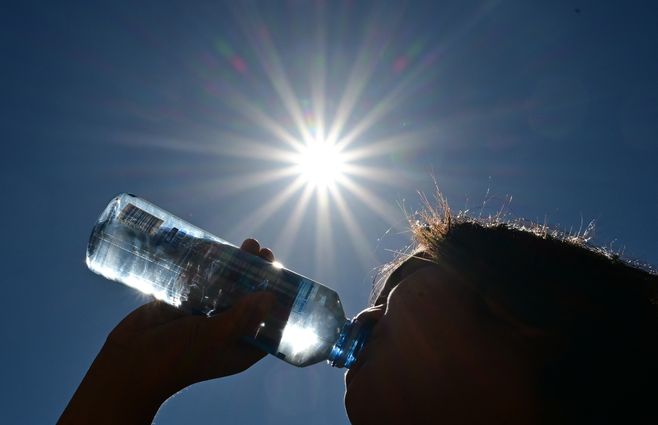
point(320, 164)
point(328, 146)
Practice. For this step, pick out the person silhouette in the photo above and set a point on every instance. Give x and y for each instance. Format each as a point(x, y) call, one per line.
point(481, 323)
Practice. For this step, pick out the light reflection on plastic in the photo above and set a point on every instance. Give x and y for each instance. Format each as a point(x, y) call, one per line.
point(277, 265)
point(298, 338)
point(146, 288)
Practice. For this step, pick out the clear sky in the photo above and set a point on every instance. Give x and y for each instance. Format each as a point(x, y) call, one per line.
point(202, 108)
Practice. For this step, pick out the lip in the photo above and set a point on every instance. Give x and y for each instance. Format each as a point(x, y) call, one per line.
point(358, 364)
point(375, 314)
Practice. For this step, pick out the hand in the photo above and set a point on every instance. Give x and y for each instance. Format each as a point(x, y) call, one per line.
point(158, 350)
point(173, 350)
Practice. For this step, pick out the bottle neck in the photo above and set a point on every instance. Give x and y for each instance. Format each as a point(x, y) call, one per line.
point(349, 344)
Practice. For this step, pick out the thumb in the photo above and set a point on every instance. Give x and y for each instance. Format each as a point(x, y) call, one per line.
point(247, 314)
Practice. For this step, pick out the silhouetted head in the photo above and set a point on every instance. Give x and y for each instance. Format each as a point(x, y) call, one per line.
point(491, 322)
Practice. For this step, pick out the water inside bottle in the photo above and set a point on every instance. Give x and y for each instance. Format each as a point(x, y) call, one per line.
point(140, 245)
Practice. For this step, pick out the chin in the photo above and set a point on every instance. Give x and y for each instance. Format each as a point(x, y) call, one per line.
point(355, 411)
point(369, 412)
point(363, 402)
point(357, 403)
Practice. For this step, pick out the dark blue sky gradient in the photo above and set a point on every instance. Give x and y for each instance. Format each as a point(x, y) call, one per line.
point(552, 102)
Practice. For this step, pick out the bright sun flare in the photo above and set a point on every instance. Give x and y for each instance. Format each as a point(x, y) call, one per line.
point(320, 164)
point(328, 146)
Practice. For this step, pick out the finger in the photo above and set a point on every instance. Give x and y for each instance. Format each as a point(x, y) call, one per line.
point(251, 246)
point(150, 315)
point(241, 358)
point(266, 254)
point(237, 358)
point(215, 347)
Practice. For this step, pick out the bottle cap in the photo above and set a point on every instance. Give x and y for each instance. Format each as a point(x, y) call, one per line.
point(349, 344)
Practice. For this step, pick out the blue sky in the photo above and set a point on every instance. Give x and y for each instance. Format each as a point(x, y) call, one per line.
point(193, 106)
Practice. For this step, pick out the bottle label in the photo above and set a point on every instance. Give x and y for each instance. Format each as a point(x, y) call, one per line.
point(305, 292)
point(140, 220)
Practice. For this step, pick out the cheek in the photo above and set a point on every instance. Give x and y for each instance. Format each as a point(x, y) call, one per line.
point(460, 347)
point(380, 386)
point(401, 352)
point(412, 324)
point(430, 333)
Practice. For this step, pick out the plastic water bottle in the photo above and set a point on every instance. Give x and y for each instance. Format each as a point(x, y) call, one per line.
point(142, 246)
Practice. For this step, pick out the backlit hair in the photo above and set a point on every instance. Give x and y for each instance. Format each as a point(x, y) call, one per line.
point(602, 307)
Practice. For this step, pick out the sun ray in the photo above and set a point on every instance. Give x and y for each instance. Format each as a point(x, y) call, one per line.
point(375, 174)
point(402, 91)
point(271, 63)
point(394, 144)
point(243, 182)
point(252, 222)
point(249, 110)
point(288, 234)
point(283, 130)
point(361, 72)
point(243, 147)
point(358, 238)
point(318, 76)
point(393, 99)
point(285, 91)
point(383, 108)
point(324, 241)
point(258, 117)
point(373, 202)
point(176, 144)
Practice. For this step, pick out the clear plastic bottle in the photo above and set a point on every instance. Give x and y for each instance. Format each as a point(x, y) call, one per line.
point(142, 246)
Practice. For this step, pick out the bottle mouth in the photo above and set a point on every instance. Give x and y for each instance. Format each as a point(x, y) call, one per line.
point(350, 343)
